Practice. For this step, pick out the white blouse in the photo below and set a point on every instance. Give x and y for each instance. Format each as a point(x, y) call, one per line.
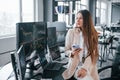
point(74, 37)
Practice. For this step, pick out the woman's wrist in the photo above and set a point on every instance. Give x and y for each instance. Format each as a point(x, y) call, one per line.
point(84, 69)
point(72, 55)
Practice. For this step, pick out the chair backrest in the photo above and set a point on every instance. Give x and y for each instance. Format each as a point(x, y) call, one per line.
point(110, 39)
point(115, 67)
point(51, 36)
point(116, 64)
point(118, 49)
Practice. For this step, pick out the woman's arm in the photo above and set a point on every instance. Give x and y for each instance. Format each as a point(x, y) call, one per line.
point(85, 68)
point(68, 42)
point(87, 63)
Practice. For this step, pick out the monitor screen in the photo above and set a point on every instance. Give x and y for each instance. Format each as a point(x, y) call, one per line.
point(21, 62)
point(28, 49)
point(55, 52)
point(24, 33)
point(31, 33)
point(52, 43)
point(51, 39)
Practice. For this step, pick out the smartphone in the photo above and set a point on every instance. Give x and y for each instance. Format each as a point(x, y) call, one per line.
point(76, 46)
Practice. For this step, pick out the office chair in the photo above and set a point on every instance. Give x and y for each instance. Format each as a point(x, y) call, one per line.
point(115, 70)
point(104, 45)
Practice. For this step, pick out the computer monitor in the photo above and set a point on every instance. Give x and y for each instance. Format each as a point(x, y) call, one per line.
point(51, 39)
point(30, 36)
point(60, 31)
point(21, 62)
point(27, 32)
point(52, 43)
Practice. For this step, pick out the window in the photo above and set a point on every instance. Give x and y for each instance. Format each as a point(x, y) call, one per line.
point(77, 6)
point(101, 8)
point(63, 16)
point(103, 12)
point(98, 13)
point(70, 17)
point(9, 16)
point(27, 9)
point(80, 5)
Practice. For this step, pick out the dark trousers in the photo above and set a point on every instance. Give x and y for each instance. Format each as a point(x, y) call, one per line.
point(72, 78)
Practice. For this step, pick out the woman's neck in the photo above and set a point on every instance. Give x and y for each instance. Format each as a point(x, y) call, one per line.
point(78, 29)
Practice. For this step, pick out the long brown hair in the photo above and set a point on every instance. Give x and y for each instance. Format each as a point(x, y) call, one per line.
point(90, 35)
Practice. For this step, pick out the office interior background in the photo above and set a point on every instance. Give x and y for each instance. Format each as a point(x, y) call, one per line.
point(105, 14)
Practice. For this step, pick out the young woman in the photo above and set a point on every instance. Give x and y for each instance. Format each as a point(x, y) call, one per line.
point(82, 47)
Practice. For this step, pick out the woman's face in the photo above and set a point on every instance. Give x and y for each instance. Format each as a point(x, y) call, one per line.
point(79, 20)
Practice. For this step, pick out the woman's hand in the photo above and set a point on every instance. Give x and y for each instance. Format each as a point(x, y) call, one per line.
point(77, 25)
point(82, 72)
point(75, 52)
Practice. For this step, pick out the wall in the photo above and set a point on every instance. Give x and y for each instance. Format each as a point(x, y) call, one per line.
point(110, 11)
point(92, 9)
point(40, 10)
point(49, 6)
point(6, 44)
point(115, 13)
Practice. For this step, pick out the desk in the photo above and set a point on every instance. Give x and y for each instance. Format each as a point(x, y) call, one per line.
point(115, 28)
point(54, 75)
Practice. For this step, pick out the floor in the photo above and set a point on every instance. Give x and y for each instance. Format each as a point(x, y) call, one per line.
point(106, 73)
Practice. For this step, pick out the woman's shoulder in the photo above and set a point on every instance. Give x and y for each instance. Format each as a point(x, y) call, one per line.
point(71, 30)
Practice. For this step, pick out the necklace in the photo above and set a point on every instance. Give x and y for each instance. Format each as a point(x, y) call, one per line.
point(83, 57)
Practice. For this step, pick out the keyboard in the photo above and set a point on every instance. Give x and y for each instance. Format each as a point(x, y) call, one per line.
point(63, 61)
point(53, 74)
point(54, 66)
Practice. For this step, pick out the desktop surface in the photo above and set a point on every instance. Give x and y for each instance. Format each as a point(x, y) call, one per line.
point(53, 74)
